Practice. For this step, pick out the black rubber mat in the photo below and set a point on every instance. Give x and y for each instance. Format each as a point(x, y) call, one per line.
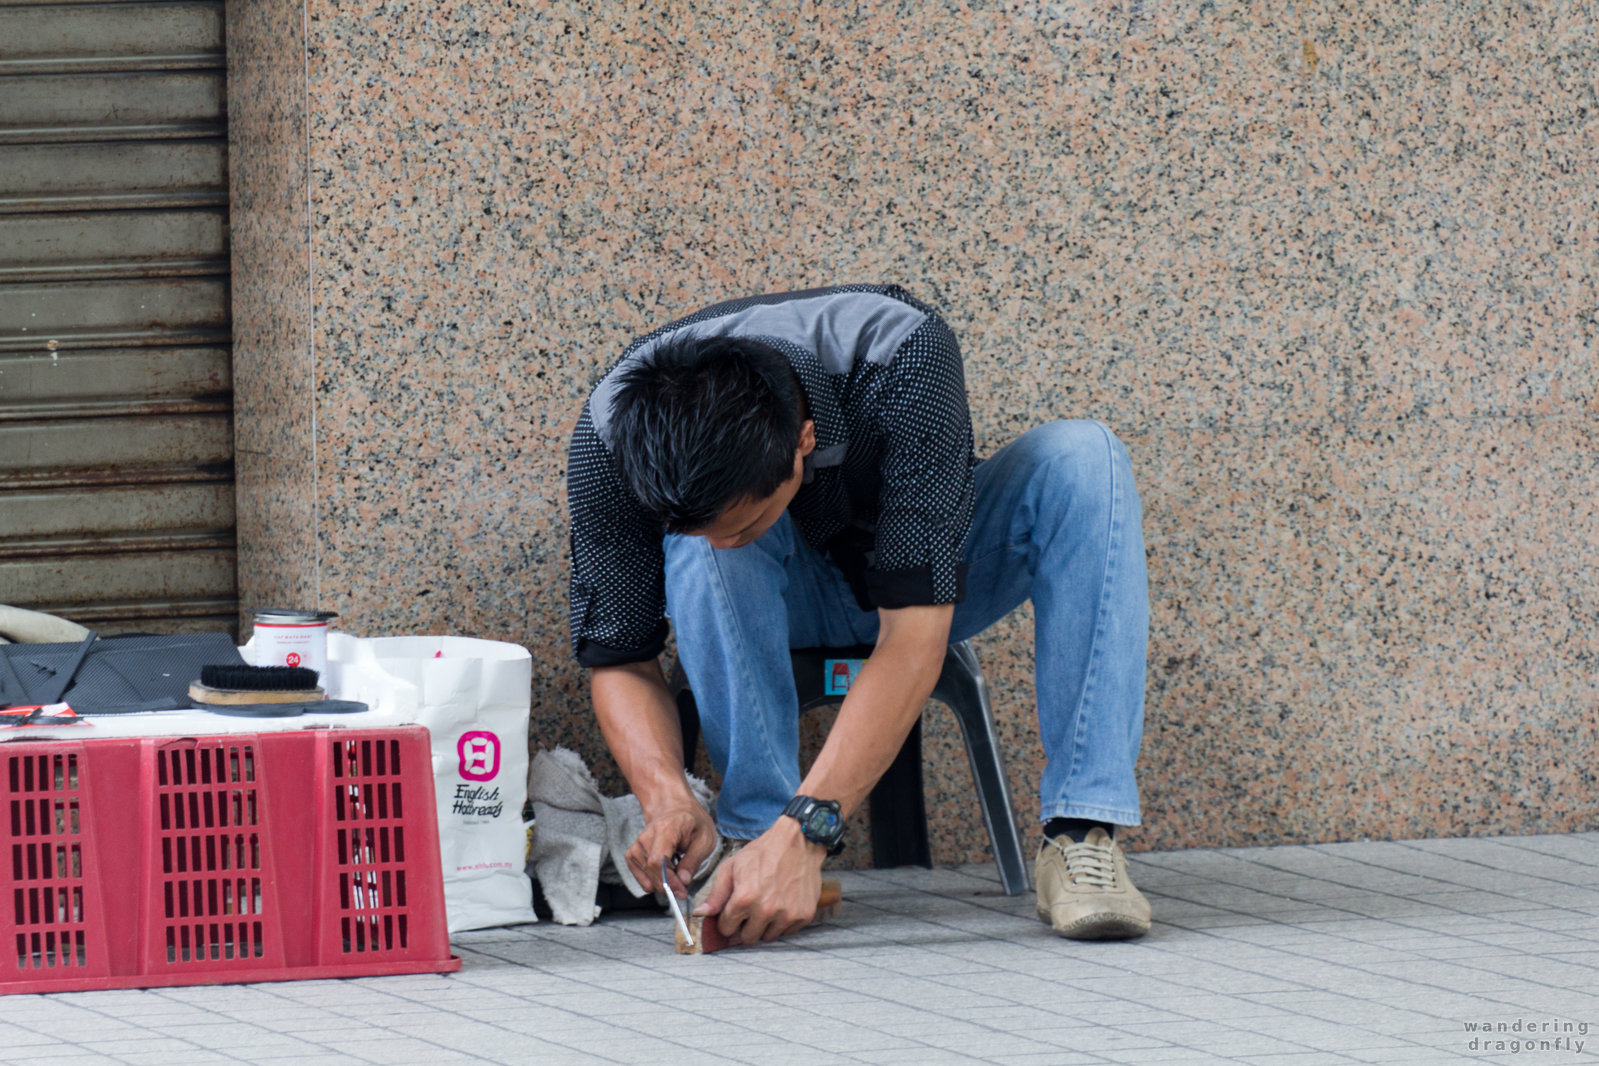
point(117, 672)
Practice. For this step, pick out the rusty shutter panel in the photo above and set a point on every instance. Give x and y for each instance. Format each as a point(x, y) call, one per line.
point(116, 435)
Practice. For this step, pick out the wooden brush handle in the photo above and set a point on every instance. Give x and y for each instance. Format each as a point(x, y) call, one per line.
point(234, 697)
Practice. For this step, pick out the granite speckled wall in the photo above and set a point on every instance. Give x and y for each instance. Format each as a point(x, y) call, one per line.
point(274, 405)
point(1330, 272)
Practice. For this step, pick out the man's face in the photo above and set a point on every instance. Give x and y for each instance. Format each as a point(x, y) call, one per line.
point(746, 521)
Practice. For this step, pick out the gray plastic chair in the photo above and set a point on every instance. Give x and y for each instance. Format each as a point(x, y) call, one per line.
point(899, 815)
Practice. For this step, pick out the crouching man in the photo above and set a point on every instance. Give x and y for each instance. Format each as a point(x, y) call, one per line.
point(796, 470)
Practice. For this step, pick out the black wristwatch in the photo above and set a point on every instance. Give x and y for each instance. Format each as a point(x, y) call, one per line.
point(821, 821)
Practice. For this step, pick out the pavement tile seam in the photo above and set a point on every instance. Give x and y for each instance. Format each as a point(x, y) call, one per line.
point(1296, 960)
point(1423, 983)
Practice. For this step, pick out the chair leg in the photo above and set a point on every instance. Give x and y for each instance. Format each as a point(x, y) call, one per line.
point(899, 817)
point(688, 713)
point(964, 692)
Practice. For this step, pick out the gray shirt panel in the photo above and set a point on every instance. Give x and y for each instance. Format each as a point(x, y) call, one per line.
point(839, 328)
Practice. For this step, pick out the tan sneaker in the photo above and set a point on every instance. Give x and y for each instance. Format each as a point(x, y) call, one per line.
point(696, 926)
point(1084, 891)
point(724, 851)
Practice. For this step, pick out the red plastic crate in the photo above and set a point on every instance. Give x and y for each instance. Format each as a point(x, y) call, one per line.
point(143, 862)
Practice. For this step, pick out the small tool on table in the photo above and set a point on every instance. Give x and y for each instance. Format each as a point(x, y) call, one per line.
point(677, 907)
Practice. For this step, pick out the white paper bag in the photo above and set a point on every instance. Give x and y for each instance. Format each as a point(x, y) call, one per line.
point(473, 696)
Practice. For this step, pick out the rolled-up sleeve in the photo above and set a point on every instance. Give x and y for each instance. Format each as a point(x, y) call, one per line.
point(618, 586)
point(928, 490)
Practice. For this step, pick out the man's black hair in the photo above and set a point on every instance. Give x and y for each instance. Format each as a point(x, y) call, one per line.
point(705, 423)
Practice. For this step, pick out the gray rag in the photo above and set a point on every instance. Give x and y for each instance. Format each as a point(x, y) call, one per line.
point(580, 837)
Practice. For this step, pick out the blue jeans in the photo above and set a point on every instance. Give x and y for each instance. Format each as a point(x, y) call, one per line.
point(1057, 521)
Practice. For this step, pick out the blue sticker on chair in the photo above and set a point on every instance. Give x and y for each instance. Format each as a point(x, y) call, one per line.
point(839, 674)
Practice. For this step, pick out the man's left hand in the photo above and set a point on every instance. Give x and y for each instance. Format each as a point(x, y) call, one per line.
point(769, 888)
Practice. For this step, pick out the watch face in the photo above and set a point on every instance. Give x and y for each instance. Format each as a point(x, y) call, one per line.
point(823, 823)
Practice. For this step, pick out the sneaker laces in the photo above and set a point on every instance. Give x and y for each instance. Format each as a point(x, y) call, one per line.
point(1088, 864)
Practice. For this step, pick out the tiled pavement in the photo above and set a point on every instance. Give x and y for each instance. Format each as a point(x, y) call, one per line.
point(1290, 956)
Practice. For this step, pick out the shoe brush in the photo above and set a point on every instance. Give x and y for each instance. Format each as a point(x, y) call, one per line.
point(224, 686)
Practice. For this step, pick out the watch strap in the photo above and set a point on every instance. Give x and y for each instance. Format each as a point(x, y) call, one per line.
point(801, 807)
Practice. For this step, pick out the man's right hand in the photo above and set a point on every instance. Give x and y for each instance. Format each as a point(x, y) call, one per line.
point(639, 720)
point(684, 837)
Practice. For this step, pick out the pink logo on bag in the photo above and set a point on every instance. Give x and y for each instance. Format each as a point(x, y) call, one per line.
point(479, 753)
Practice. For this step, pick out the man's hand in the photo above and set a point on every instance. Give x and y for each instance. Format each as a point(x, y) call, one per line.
point(769, 888)
point(639, 720)
point(686, 831)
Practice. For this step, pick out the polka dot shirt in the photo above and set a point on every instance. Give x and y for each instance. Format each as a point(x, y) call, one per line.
point(887, 494)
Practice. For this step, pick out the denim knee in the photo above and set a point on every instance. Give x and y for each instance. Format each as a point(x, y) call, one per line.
point(1080, 456)
point(691, 563)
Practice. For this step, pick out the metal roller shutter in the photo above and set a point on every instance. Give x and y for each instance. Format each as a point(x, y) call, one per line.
point(116, 435)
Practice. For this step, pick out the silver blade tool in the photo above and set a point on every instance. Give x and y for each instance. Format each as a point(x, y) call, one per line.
point(677, 908)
